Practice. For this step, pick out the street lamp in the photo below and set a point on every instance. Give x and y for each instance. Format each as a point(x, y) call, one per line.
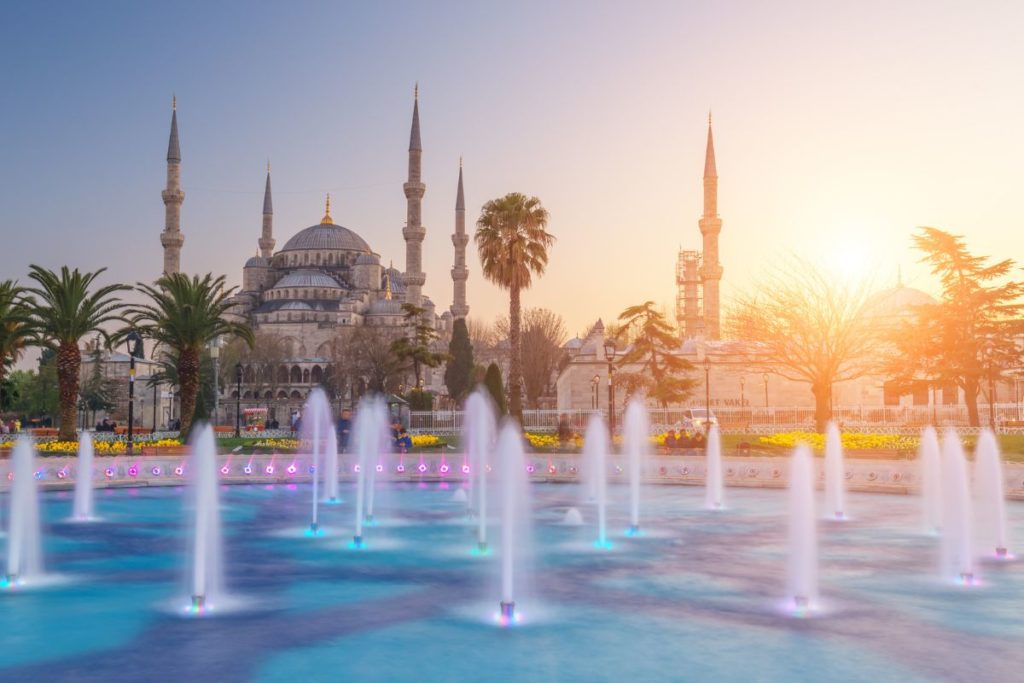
point(989, 351)
point(238, 400)
point(134, 343)
point(593, 391)
point(707, 395)
point(765, 378)
point(215, 355)
point(609, 354)
point(743, 399)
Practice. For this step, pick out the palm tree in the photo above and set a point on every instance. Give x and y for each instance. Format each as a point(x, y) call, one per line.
point(184, 315)
point(62, 310)
point(513, 241)
point(15, 332)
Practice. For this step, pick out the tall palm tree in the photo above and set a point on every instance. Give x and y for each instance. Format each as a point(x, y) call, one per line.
point(62, 310)
point(15, 332)
point(185, 314)
point(512, 237)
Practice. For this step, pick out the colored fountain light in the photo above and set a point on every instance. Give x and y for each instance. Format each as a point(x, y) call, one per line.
point(225, 470)
point(61, 473)
point(444, 469)
point(133, 471)
point(530, 468)
point(247, 469)
point(465, 469)
point(179, 470)
point(156, 471)
point(39, 474)
point(109, 472)
point(379, 468)
point(269, 469)
point(422, 468)
point(292, 469)
point(356, 468)
point(400, 469)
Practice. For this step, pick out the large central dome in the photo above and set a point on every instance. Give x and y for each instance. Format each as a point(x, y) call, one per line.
point(326, 236)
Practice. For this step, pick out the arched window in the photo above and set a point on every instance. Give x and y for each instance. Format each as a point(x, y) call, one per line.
point(282, 394)
point(282, 374)
point(268, 395)
point(317, 375)
point(296, 377)
point(305, 376)
point(296, 396)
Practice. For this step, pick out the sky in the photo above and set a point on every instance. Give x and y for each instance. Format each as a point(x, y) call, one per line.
point(839, 127)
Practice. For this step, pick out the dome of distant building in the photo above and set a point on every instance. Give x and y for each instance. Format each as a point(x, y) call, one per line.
point(326, 236)
point(385, 307)
point(367, 260)
point(896, 302)
point(257, 262)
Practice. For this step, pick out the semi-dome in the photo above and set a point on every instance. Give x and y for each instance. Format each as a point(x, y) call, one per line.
point(307, 278)
point(257, 262)
point(367, 260)
point(295, 306)
point(326, 237)
point(385, 307)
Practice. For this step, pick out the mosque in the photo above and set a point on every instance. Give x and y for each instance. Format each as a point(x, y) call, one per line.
point(326, 277)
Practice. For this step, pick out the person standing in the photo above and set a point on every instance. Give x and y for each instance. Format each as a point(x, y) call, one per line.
point(344, 429)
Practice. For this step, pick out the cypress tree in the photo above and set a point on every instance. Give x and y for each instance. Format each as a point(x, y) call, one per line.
point(458, 373)
point(492, 380)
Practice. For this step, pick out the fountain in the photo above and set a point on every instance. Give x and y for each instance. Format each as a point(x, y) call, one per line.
point(713, 486)
point(83, 505)
point(802, 565)
point(835, 473)
point(478, 436)
point(207, 576)
point(331, 466)
point(370, 439)
point(957, 551)
point(595, 456)
point(317, 426)
point(516, 514)
point(636, 434)
point(931, 481)
point(989, 496)
point(24, 536)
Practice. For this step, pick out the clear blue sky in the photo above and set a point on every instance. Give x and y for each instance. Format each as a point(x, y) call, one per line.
point(838, 128)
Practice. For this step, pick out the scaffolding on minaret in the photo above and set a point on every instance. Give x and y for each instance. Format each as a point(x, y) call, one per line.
point(689, 304)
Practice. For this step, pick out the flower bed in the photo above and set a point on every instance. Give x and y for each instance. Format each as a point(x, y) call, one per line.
point(54, 447)
point(851, 441)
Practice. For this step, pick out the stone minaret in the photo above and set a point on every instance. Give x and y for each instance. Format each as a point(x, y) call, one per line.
point(414, 231)
point(171, 238)
point(710, 226)
point(460, 273)
point(267, 241)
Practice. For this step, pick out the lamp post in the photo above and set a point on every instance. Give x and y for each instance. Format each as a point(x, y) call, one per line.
point(707, 395)
point(134, 343)
point(609, 354)
point(765, 378)
point(156, 400)
point(238, 400)
point(215, 355)
point(594, 383)
point(988, 353)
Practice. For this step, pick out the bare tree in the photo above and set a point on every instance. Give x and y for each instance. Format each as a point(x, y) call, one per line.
point(543, 334)
point(808, 327)
point(362, 357)
point(269, 352)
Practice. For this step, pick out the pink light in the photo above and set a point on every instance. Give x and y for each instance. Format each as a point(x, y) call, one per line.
point(10, 476)
point(61, 474)
point(380, 468)
point(422, 468)
point(225, 470)
point(247, 469)
point(133, 471)
point(530, 468)
point(444, 469)
point(465, 469)
point(109, 472)
point(552, 469)
point(400, 469)
point(356, 468)
point(179, 470)
point(156, 471)
point(270, 469)
point(292, 469)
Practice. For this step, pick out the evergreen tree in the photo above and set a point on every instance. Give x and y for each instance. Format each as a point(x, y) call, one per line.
point(492, 380)
point(662, 374)
point(415, 347)
point(458, 375)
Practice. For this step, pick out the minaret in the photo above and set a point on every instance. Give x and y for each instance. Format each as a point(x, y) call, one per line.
point(710, 226)
point(267, 241)
point(414, 231)
point(171, 238)
point(460, 273)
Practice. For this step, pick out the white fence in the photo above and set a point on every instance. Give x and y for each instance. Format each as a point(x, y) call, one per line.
point(875, 419)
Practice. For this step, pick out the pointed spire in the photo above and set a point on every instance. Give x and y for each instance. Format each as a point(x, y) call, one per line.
point(460, 199)
point(327, 220)
point(387, 286)
point(709, 157)
point(268, 205)
point(414, 135)
point(173, 149)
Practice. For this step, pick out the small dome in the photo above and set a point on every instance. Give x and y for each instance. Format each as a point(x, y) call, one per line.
point(257, 262)
point(307, 278)
point(897, 302)
point(326, 236)
point(385, 307)
point(397, 281)
point(367, 260)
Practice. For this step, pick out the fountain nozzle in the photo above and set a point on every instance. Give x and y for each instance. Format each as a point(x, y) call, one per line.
point(482, 546)
point(11, 579)
point(314, 527)
point(967, 578)
point(840, 515)
point(508, 612)
point(633, 530)
point(368, 519)
point(357, 542)
point(1001, 552)
point(198, 603)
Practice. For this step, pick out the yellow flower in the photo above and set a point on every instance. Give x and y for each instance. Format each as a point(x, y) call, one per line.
point(850, 441)
point(425, 440)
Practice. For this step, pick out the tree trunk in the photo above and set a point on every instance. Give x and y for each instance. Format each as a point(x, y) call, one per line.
point(188, 378)
point(822, 407)
point(971, 400)
point(69, 362)
point(515, 370)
